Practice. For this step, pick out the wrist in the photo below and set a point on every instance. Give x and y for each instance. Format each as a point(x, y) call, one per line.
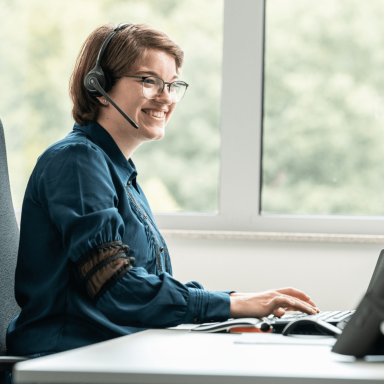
point(234, 309)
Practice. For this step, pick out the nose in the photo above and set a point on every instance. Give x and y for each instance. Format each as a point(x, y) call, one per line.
point(164, 97)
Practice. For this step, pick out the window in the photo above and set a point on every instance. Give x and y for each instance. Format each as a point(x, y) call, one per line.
point(323, 108)
point(241, 149)
point(256, 190)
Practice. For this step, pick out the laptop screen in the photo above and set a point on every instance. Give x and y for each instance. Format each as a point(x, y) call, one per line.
point(379, 271)
point(362, 335)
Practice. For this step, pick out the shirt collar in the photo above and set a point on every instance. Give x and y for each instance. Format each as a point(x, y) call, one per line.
point(101, 137)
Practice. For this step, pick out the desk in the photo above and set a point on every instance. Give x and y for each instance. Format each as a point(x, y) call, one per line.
point(174, 357)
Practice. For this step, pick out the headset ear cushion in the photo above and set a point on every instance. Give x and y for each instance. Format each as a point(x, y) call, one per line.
point(99, 75)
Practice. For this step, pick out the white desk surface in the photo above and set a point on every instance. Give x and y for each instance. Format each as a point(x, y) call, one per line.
point(174, 357)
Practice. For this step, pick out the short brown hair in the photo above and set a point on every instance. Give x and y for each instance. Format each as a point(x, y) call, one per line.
point(124, 52)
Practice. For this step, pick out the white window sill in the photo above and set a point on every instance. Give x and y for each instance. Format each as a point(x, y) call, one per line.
point(262, 236)
point(272, 236)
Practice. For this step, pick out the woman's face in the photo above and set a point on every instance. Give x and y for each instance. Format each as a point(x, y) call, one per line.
point(150, 115)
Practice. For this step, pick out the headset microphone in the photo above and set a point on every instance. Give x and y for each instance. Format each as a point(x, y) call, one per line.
point(97, 83)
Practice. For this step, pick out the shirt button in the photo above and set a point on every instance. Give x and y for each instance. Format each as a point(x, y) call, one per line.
point(162, 249)
point(129, 182)
point(196, 320)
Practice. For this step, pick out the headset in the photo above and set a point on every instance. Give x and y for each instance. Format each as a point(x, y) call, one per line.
point(96, 82)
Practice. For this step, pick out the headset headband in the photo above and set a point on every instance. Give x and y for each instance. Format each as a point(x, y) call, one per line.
point(106, 42)
point(97, 83)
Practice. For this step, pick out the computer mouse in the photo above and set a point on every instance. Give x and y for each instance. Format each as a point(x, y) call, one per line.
point(320, 325)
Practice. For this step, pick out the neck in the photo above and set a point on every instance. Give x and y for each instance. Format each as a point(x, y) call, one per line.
point(126, 143)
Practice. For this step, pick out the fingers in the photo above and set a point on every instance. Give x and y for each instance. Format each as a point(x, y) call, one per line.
point(296, 304)
point(282, 311)
point(279, 312)
point(312, 303)
point(303, 307)
point(296, 293)
point(279, 302)
point(303, 304)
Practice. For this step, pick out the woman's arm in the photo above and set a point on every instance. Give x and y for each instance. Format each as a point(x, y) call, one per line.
point(78, 193)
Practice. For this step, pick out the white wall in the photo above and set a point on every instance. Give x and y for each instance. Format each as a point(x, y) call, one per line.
point(335, 275)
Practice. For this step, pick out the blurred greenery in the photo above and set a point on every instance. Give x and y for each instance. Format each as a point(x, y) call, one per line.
point(323, 107)
point(40, 43)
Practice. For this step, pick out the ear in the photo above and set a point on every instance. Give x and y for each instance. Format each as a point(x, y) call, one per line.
point(102, 100)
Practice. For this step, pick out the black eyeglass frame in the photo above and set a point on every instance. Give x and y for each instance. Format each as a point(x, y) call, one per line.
point(143, 78)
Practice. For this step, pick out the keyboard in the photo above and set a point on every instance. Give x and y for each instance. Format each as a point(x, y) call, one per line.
point(339, 318)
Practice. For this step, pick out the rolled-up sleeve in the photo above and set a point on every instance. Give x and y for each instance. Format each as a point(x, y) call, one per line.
point(78, 193)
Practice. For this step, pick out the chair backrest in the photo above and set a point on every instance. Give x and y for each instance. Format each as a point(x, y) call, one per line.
point(9, 244)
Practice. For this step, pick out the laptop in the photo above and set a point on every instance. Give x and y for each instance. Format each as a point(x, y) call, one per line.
point(337, 318)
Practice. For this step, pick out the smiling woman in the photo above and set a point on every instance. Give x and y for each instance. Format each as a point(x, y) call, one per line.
point(111, 273)
point(92, 263)
point(137, 50)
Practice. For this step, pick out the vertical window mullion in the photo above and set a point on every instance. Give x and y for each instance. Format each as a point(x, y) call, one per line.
point(241, 111)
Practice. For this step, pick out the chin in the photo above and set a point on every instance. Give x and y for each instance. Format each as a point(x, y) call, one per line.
point(160, 136)
point(156, 134)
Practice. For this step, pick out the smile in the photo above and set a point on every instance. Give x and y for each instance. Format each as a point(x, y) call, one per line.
point(153, 113)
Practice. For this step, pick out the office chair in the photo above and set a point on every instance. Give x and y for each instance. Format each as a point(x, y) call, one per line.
point(9, 244)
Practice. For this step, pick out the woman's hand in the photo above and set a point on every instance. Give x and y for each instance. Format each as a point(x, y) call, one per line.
point(275, 301)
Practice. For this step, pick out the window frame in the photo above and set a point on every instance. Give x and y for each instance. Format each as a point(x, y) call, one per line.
point(241, 144)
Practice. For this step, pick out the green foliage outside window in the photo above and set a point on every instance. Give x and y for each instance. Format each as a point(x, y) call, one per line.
point(324, 107)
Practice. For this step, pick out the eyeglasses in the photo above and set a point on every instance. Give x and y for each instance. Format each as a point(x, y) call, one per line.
point(153, 86)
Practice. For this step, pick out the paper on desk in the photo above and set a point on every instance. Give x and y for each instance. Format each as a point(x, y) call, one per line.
point(184, 327)
point(270, 338)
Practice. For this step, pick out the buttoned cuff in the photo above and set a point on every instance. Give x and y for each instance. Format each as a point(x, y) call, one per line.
point(227, 292)
point(205, 306)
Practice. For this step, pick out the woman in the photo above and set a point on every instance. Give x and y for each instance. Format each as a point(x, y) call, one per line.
point(92, 263)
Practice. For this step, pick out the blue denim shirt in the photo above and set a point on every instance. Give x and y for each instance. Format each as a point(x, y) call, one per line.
point(92, 264)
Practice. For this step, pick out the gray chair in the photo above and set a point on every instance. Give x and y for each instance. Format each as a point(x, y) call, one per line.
point(9, 244)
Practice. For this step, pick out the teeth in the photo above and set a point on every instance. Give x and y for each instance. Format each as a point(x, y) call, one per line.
point(154, 113)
